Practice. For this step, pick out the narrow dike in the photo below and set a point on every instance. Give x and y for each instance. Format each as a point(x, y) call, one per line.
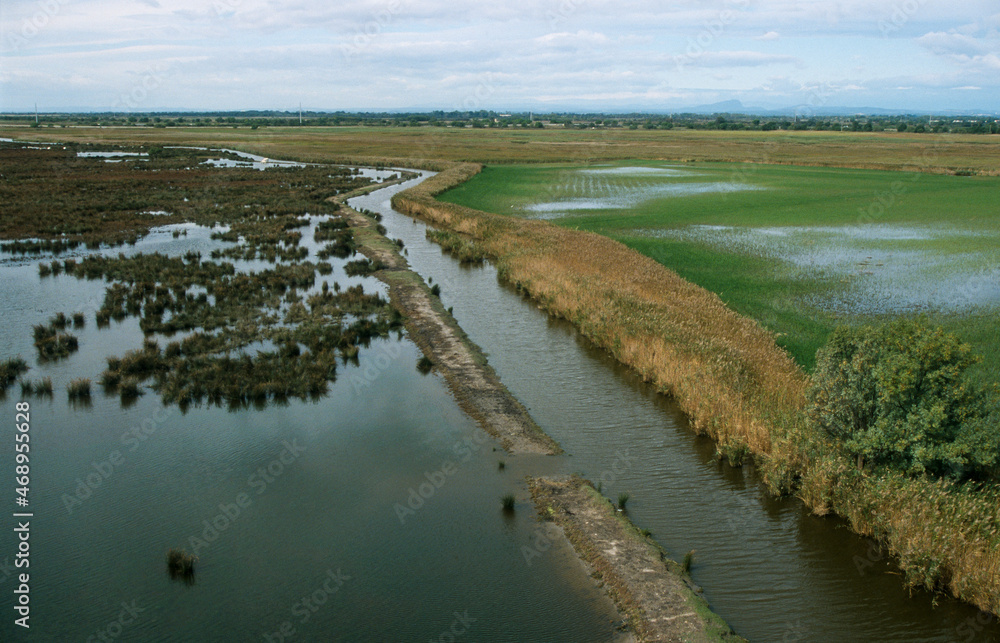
point(728, 375)
point(471, 379)
point(651, 591)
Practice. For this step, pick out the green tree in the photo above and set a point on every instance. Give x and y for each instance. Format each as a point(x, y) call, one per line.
point(896, 395)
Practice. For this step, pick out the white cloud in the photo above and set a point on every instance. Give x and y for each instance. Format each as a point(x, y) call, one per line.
point(770, 35)
point(739, 59)
point(952, 43)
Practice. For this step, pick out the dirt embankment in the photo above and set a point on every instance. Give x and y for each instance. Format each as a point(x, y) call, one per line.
point(473, 382)
point(652, 592)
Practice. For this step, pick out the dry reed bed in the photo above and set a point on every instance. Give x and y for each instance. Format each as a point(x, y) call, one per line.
point(733, 382)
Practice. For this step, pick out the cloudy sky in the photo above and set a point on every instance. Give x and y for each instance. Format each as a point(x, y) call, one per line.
point(586, 55)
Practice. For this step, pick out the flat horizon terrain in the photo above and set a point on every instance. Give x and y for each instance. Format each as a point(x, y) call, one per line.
point(884, 150)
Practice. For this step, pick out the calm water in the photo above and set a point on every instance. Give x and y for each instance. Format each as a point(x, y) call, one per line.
point(295, 512)
point(772, 570)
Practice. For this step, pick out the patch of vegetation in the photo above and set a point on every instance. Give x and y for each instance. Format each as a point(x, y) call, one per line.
point(897, 396)
point(466, 251)
point(10, 370)
point(180, 564)
point(362, 267)
point(79, 389)
point(53, 344)
point(425, 365)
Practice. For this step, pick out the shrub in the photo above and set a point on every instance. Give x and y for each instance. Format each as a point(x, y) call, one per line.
point(896, 395)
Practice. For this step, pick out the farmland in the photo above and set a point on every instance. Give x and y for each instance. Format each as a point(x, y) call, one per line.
point(800, 249)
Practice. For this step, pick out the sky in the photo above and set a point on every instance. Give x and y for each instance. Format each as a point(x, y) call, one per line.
point(541, 55)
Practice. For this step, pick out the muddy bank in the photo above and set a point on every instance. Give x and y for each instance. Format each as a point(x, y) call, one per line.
point(471, 379)
point(653, 594)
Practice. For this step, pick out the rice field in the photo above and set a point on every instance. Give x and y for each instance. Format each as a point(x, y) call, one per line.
point(800, 249)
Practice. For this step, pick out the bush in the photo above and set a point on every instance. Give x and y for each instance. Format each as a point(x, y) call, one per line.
point(897, 396)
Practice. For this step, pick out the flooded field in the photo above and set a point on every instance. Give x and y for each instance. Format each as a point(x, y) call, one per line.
point(875, 269)
point(619, 188)
point(799, 249)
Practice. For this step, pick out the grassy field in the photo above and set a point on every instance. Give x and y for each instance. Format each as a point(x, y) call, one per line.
point(430, 145)
point(800, 249)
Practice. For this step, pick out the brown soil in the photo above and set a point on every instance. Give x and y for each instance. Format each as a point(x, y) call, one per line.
point(652, 592)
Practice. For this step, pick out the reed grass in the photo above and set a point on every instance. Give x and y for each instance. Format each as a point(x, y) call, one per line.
point(687, 562)
point(180, 564)
point(79, 389)
point(10, 370)
point(508, 501)
point(43, 387)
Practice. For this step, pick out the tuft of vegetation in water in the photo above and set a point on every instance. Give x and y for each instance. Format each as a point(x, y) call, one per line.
point(425, 364)
point(51, 343)
point(622, 500)
point(501, 465)
point(79, 389)
point(10, 370)
point(688, 561)
point(43, 387)
point(180, 564)
point(508, 501)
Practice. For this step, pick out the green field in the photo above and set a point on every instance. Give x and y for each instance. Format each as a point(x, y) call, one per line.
point(800, 249)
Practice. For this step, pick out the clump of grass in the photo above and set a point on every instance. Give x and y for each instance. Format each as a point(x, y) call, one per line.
point(180, 564)
point(508, 501)
point(425, 365)
point(362, 267)
point(501, 465)
point(129, 389)
point(10, 370)
point(688, 561)
point(27, 387)
point(79, 321)
point(51, 343)
point(622, 500)
point(436, 290)
point(79, 389)
point(43, 387)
